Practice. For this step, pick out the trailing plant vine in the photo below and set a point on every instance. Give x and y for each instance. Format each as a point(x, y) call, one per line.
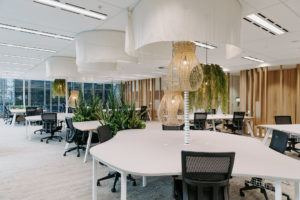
point(213, 91)
point(59, 88)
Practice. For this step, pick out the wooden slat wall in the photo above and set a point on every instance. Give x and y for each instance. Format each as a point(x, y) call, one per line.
point(143, 92)
point(268, 93)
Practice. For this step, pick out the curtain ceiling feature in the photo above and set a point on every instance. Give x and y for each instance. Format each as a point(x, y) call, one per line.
point(216, 22)
point(61, 67)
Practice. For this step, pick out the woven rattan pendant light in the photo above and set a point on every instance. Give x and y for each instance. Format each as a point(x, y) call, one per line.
point(171, 109)
point(184, 72)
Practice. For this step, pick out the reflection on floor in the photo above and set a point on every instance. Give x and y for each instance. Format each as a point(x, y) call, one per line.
point(31, 170)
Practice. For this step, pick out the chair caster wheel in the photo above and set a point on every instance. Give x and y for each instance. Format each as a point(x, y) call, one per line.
point(242, 194)
point(134, 183)
point(47, 142)
point(59, 140)
point(78, 155)
point(41, 140)
point(65, 154)
point(98, 184)
point(113, 190)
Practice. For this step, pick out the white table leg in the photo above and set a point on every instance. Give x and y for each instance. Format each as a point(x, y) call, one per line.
point(94, 187)
point(297, 195)
point(144, 181)
point(123, 186)
point(14, 119)
point(250, 128)
point(214, 124)
point(26, 123)
point(67, 146)
point(278, 193)
point(267, 136)
point(88, 146)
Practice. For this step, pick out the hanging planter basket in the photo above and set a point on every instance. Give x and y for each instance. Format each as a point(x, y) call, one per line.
point(59, 88)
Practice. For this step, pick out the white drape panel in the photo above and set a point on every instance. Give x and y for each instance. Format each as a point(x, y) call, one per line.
point(106, 46)
point(214, 21)
point(61, 67)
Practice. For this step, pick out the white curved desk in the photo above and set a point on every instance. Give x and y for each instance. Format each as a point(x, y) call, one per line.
point(158, 153)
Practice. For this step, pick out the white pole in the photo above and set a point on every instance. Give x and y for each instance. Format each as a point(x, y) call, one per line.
point(187, 138)
point(67, 103)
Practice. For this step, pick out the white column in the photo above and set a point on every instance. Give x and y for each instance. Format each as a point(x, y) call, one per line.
point(24, 95)
point(66, 95)
point(187, 137)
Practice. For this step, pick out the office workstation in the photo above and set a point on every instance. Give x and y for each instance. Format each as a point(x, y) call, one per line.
point(149, 99)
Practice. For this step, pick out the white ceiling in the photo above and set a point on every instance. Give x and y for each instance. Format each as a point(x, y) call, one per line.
point(279, 49)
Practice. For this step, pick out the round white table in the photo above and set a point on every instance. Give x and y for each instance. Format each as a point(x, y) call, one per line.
point(153, 152)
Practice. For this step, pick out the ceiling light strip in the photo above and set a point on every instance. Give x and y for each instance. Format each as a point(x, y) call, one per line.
point(22, 57)
point(25, 30)
point(265, 24)
point(72, 8)
point(253, 59)
point(204, 45)
point(10, 63)
point(25, 47)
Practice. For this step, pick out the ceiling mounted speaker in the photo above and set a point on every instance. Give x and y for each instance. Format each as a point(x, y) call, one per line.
point(215, 22)
point(100, 50)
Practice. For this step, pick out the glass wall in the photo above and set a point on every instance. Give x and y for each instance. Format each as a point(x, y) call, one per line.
point(38, 93)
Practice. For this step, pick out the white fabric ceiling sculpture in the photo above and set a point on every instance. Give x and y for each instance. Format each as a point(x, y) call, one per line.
point(100, 50)
point(61, 67)
point(216, 22)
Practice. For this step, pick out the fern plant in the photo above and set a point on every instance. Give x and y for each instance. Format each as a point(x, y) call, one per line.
point(213, 91)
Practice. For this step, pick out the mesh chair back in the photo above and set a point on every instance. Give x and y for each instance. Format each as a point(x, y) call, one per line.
point(283, 119)
point(238, 120)
point(49, 122)
point(104, 133)
point(279, 141)
point(173, 128)
point(202, 166)
point(31, 111)
point(69, 123)
point(200, 120)
point(39, 111)
point(144, 113)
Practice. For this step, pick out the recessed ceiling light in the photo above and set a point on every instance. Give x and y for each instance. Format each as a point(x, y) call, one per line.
point(265, 24)
point(13, 63)
point(25, 30)
point(25, 47)
point(72, 8)
point(253, 59)
point(204, 45)
point(22, 57)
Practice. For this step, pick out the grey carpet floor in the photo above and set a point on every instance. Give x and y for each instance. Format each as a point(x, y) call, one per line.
point(32, 170)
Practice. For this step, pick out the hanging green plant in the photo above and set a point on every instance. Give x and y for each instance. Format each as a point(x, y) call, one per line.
point(59, 88)
point(213, 91)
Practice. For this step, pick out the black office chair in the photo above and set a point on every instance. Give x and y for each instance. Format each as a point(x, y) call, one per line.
point(144, 113)
point(8, 116)
point(278, 143)
point(173, 128)
point(294, 139)
point(237, 122)
point(50, 125)
point(31, 111)
point(73, 135)
point(205, 176)
point(199, 121)
point(105, 134)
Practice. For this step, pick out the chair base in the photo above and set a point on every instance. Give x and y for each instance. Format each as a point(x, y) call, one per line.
point(116, 175)
point(258, 183)
point(52, 137)
point(292, 146)
point(75, 148)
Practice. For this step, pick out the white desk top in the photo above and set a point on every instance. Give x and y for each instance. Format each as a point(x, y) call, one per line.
point(18, 110)
point(87, 125)
point(153, 152)
point(288, 128)
point(60, 117)
point(218, 116)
